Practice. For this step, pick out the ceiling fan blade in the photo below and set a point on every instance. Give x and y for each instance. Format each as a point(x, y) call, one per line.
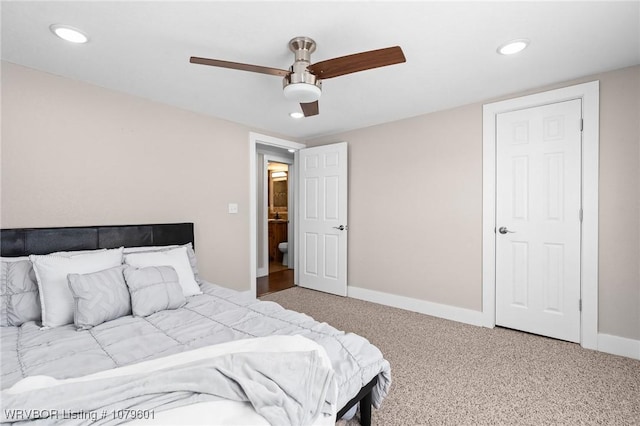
point(310, 109)
point(357, 62)
point(238, 66)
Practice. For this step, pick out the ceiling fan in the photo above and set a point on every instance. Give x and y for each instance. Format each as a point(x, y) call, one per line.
point(303, 81)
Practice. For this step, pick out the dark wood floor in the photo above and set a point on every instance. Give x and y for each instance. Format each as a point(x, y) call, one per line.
point(276, 267)
point(280, 279)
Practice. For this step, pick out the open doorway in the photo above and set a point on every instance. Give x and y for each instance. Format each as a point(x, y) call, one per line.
point(278, 216)
point(260, 145)
point(278, 181)
point(264, 150)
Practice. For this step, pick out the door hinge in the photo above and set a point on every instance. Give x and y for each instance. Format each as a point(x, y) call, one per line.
point(580, 305)
point(581, 124)
point(581, 214)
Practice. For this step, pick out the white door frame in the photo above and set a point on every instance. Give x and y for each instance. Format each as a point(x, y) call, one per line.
point(254, 140)
point(590, 95)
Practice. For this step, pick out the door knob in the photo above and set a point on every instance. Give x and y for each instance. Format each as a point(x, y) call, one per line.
point(504, 230)
point(340, 228)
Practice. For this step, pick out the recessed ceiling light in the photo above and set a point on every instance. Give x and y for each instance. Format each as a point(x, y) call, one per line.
point(296, 114)
point(69, 34)
point(291, 150)
point(514, 46)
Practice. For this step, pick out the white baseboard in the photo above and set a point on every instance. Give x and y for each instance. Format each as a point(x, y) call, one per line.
point(452, 313)
point(606, 343)
point(619, 346)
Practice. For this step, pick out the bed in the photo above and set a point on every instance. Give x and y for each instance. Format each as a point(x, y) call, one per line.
point(335, 370)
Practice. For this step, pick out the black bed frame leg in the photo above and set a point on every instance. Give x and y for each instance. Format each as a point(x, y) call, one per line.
point(364, 398)
point(365, 410)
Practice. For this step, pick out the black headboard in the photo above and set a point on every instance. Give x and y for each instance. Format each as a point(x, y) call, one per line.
point(26, 241)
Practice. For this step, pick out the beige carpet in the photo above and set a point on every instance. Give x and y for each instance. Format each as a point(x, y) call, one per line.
point(450, 373)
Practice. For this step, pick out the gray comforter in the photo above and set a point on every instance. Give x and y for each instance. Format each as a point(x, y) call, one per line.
point(268, 380)
point(218, 315)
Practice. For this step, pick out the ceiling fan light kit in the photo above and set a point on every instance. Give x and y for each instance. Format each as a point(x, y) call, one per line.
point(302, 83)
point(302, 93)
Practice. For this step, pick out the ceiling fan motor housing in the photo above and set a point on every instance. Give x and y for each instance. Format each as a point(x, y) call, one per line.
point(300, 85)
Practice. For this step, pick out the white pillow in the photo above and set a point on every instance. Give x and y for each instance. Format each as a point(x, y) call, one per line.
point(14, 259)
point(51, 271)
point(75, 252)
point(128, 250)
point(57, 253)
point(177, 258)
point(191, 255)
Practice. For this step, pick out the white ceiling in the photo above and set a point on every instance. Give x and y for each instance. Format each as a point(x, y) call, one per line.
point(143, 48)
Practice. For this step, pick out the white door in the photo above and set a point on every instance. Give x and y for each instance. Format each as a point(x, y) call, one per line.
point(322, 249)
point(538, 202)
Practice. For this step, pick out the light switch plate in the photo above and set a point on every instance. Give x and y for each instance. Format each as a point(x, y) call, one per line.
point(233, 208)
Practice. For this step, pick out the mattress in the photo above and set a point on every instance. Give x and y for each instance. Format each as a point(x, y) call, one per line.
point(218, 315)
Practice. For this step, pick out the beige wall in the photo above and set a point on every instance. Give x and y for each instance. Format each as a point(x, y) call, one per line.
point(77, 154)
point(619, 262)
point(415, 205)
